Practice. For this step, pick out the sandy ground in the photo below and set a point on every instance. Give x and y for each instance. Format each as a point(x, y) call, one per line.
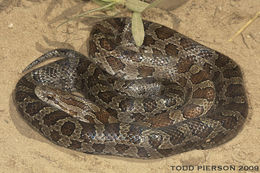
point(28, 28)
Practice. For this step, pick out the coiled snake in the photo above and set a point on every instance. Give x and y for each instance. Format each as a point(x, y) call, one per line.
point(168, 96)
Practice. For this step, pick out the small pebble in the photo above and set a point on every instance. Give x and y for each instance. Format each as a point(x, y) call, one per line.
point(11, 25)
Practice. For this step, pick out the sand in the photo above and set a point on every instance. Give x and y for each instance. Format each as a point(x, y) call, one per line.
point(28, 28)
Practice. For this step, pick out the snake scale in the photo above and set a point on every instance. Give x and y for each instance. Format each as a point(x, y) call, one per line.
point(168, 96)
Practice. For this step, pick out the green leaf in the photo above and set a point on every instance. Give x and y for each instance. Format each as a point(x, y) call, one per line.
point(136, 5)
point(137, 28)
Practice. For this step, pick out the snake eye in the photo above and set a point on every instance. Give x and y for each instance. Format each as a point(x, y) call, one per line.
point(49, 97)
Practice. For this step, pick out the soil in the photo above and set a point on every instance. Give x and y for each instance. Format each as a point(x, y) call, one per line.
point(29, 27)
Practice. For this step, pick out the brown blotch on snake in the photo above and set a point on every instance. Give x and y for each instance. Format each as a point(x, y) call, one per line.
point(143, 102)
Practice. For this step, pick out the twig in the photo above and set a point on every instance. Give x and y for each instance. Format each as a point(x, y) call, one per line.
point(90, 11)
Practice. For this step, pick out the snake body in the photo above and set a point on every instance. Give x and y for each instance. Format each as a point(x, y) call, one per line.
point(168, 96)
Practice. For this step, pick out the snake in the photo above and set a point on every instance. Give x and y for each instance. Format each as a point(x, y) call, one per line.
point(168, 96)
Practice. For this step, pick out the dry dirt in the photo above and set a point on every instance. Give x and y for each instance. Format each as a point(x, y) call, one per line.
point(28, 28)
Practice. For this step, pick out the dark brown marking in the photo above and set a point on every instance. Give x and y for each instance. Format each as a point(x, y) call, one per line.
point(55, 136)
point(145, 71)
point(75, 145)
point(112, 112)
point(73, 102)
point(107, 44)
point(34, 108)
point(192, 111)
point(107, 96)
point(148, 40)
point(219, 86)
point(200, 77)
point(68, 128)
point(98, 28)
point(222, 60)
point(160, 120)
point(99, 147)
point(132, 55)
point(91, 81)
point(142, 152)
point(126, 105)
point(89, 119)
point(171, 90)
point(240, 107)
point(83, 66)
point(164, 32)
point(216, 76)
point(26, 83)
point(102, 116)
point(235, 72)
point(53, 117)
point(117, 23)
point(20, 96)
point(207, 93)
point(121, 148)
point(229, 122)
point(115, 63)
point(171, 50)
point(235, 90)
point(186, 43)
point(184, 65)
point(88, 132)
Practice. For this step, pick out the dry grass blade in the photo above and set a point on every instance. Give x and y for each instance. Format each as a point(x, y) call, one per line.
point(245, 26)
point(87, 12)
